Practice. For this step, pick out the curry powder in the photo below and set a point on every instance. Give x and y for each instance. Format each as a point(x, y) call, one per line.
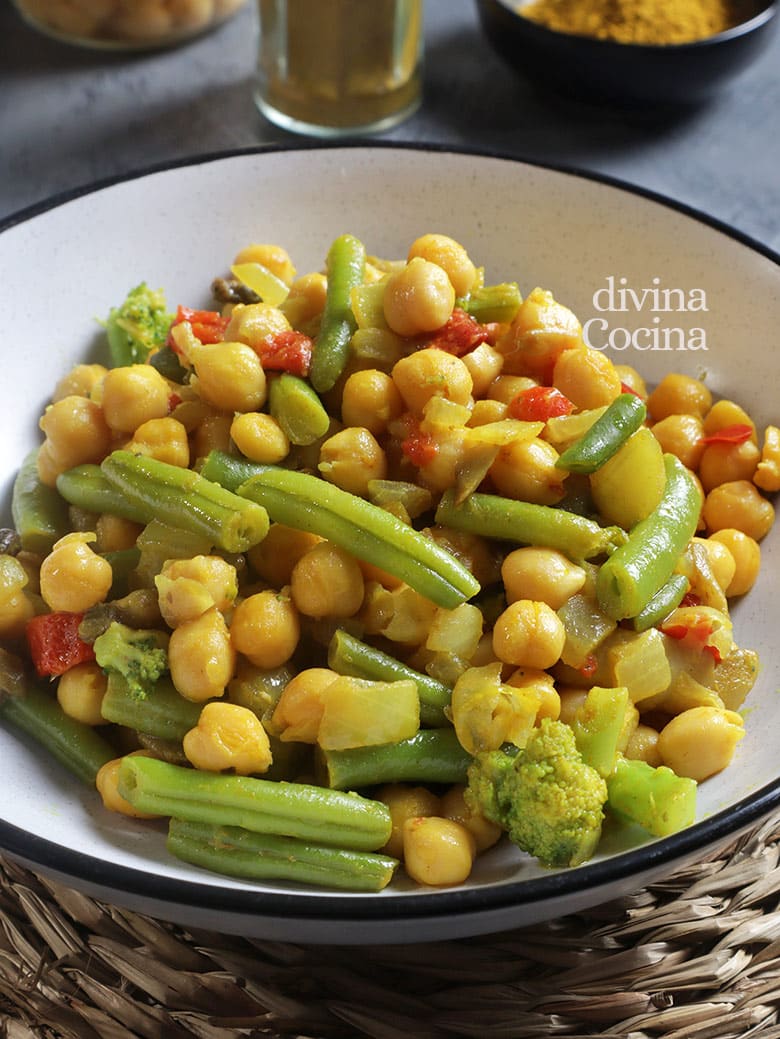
point(640, 21)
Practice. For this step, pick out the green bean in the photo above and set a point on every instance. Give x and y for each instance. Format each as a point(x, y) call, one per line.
point(655, 798)
point(163, 712)
point(299, 810)
point(632, 575)
point(492, 303)
point(297, 409)
point(527, 524)
point(39, 513)
point(252, 856)
point(604, 438)
point(666, 599)
point(369, 533)
point(230, 471)
point(349, 656)
point(183, 499)
point(86, 487)
point(77, 746)
point(346, 266)
point(431, 756)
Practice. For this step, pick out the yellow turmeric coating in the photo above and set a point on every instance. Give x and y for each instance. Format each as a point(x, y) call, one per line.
point(640, 21)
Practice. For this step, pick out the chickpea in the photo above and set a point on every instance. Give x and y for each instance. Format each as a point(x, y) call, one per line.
point(132, 395)
point(80, 381)
point(252, 323)
point(529, 634)
point(738, 504)
point(540, 332)
point(432, 373)
point(115, 534)
point(164, 439)
point(455, 807)
point(643, 745)
point(230, 376)
point(352, 458)
point(721, 561)
point(201, 656)
point(327, 582)
point(679, 394)
point(681, 435)
point(298, 713)
point(80, 693)
point(228, 736)
point(505, 388)
point(73, 577)
point(275, 556)
point(306, 300)
point(418, 298)
point(587, 377)
point(274, 258)
point(700, 741)
point(541, 684)
point(405, 802)
point(15, 607)
point(485, 411)
point(767, 475)
point(631, 378)
point(260, 437)
point(107, 783)
point(266, 628)
point(187, 588)
point(371, 399)
point(437, 852)
point(484, 364)
point(724, 463)
point(543, 574)
point(525, 470)
point(746, 553)
point(450, 256)
point(76, 433)
point(725, 413)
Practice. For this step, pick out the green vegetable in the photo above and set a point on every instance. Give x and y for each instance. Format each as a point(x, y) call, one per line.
point(140, 656)
point(608, 433)
point(545, 796)
point(527, 524)
point(432, 756)
point(655, 798)
point(39, 513)
point(162, 712)
point(297, 409)
point(87, 488)
point(598, 725)
point(168, 364)
point(633, 574)
point(288, 809)
point(253, 856)
point(349, 656)
point(492, 303)
point(369, 533)
point(138, 326)
point(229, 471)
point(346, 266)
point(181, 498)
point(667, 598)
point(77, 746)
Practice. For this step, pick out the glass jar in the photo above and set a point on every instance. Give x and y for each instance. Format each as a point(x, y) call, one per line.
point(125, 24)
point(335, 67)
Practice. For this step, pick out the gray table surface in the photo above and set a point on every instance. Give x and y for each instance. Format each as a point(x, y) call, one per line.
point(70, 116)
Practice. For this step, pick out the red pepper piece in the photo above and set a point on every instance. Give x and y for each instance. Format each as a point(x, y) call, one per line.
point(539, 403)
point(739, 433)
point(55, 643)
point(625, 388)
point(590, 667)
point(461, 334)
point(286, 352)
point(208, 326)
point(420, 448)
point(696, 634)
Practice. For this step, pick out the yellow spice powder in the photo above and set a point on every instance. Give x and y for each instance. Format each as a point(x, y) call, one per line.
point(640, 21)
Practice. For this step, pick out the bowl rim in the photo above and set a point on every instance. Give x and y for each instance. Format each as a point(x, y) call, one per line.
point(78, 867)
point(750, 25)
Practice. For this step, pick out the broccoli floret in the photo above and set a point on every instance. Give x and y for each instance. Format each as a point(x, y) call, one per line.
point(139, 655)
point(138, 326)
point(546, 798)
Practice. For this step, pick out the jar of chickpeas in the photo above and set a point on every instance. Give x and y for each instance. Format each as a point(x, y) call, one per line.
point(125, 24)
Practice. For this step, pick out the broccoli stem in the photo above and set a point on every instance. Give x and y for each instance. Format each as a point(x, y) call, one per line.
point(287, 809)
point(349, 656)
point(77, 746)
point(252, 856)
point(656, 798)
point(598, 725)
point(163, 712)
point(183, 499)
point(431, 756)
point(527, 524)
point(606, 436)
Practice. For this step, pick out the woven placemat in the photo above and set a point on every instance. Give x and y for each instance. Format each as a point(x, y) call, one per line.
point(696, 956)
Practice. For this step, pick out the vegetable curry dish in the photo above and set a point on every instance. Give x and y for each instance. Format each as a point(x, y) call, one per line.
point(363, 570)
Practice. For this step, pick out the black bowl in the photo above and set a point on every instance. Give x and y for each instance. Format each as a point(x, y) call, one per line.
point(629, 73)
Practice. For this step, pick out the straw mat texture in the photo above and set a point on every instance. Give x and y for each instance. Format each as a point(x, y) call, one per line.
point(694, 957)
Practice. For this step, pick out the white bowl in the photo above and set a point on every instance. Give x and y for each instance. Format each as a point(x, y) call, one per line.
point(66, 264)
